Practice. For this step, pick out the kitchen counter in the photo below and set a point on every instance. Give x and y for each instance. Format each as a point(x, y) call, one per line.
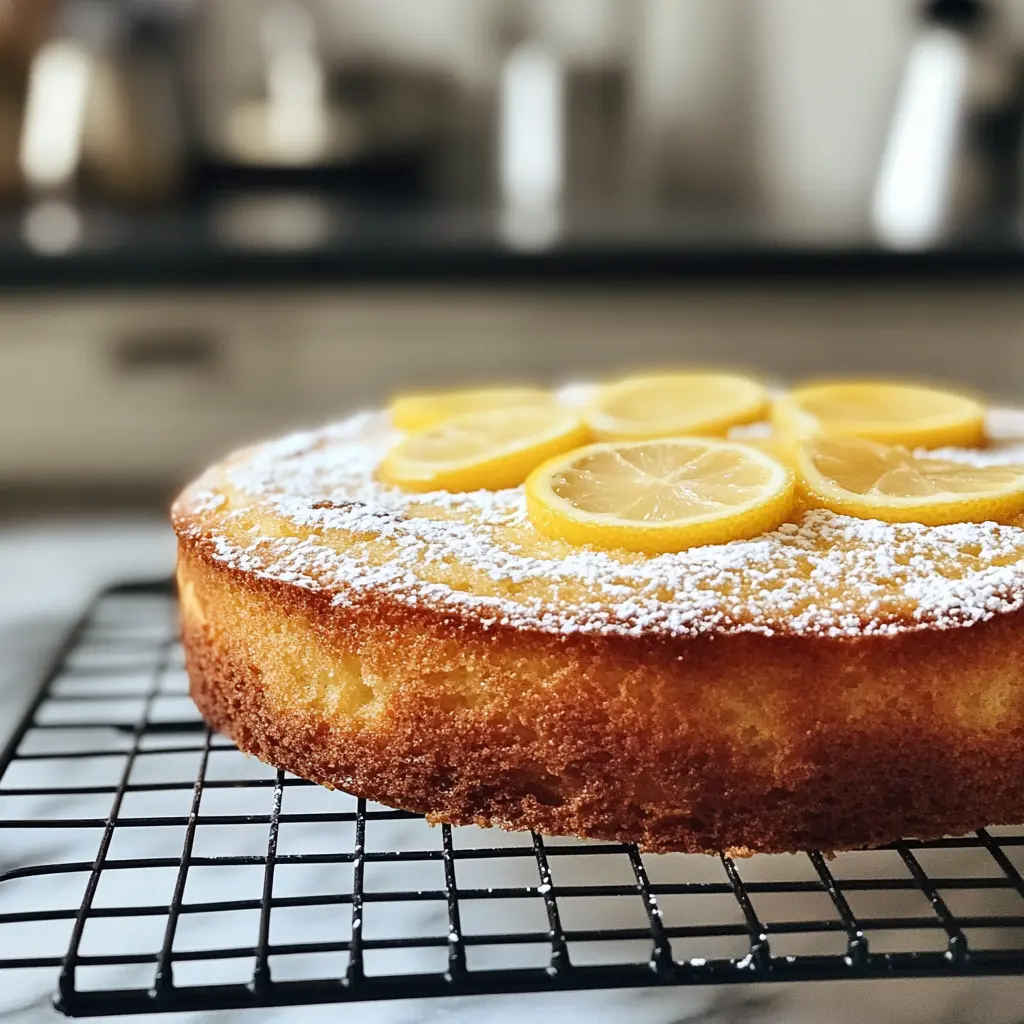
point(287, 238)
point(50, 569)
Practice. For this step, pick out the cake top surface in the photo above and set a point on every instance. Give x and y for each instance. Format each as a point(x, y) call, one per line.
point(308, 511)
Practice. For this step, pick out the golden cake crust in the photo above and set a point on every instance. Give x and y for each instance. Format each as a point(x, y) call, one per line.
point(684, 735)
point(754, 743)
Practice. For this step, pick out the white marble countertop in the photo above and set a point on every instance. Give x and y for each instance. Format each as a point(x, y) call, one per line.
point(48, 572)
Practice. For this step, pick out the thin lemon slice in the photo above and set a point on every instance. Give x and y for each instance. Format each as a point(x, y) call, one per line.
point(482, 450)
point(873, 481)
point(889, 413)
point(417, 411)
point(675, 404)
point(659, 495)
point(776, 445)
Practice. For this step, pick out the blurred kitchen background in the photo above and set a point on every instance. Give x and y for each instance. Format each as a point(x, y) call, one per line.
point(219, 219)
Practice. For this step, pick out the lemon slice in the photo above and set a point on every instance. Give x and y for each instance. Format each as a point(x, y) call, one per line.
point(675, 404)
point(906, 414)
point(776, 445)
point(873, 481)
point(416, 411)
point(482, 450)
point(659, 495)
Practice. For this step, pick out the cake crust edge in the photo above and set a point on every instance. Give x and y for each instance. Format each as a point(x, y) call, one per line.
point(739, 742)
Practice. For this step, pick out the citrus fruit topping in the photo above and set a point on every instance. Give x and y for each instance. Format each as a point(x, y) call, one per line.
point(417, 411)
point(906, 414)
point(675, 404)
point(659, 495)
point(482, 450)
point(872, 481)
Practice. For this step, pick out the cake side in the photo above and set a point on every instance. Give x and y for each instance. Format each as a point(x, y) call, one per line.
point(739, 740)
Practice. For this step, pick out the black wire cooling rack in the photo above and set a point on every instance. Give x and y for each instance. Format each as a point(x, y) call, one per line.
point(149, 866)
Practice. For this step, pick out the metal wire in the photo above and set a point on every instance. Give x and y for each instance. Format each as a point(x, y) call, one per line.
point(56, 730)
point(164, 982)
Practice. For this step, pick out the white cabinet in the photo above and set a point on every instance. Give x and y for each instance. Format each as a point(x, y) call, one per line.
point(129, 390)
point(145, 389)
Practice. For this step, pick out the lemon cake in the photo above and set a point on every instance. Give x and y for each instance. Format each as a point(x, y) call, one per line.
point(671, 611)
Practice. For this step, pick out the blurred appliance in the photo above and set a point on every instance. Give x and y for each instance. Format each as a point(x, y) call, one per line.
point(603, 114)
point(103, 104)
point(23, 27)
point(561, 125)
point(953, 149)
point(272, 104)
point(293, 120)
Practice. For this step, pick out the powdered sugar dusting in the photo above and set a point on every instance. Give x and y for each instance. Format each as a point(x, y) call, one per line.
point(306, 510)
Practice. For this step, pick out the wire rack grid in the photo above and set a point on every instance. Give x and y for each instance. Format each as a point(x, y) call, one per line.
point(148, 866)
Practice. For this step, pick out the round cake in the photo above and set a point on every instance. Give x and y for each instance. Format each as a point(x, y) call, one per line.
point(833, 683)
